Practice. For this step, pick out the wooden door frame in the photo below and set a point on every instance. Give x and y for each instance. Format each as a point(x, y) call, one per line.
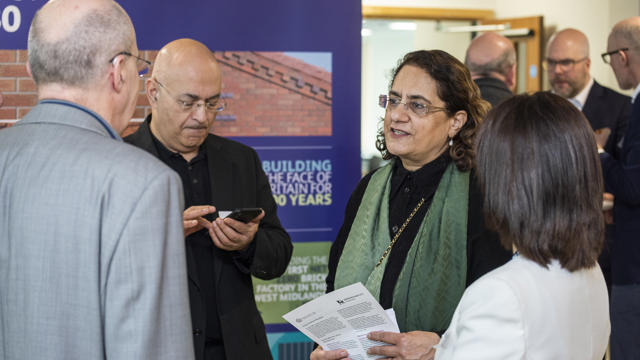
point(388, 12)
point(533, 42)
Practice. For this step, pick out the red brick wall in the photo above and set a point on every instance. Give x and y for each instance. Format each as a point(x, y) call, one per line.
point(268, 95)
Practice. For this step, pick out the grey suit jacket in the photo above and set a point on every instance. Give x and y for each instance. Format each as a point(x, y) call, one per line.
point(92, 256)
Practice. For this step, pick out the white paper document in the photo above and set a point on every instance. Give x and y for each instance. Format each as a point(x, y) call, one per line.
point(342, 319)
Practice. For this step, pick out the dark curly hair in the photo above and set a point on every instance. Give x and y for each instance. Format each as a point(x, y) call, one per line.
point(457, 91)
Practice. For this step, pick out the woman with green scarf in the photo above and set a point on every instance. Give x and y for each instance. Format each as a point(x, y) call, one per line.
point(413, 230)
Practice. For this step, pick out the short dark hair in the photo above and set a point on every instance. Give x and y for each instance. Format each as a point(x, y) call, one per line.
point(457, 91)
point(540, 175)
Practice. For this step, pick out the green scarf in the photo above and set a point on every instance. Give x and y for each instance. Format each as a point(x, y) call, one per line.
point(433, 276)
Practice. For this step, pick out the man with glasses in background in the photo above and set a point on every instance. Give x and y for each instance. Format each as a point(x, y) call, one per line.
point(217, 174)
point(622, 179)
point(567, 65)
point(92, 262)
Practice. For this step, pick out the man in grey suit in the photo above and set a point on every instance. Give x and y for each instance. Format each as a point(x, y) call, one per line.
point(92, 258)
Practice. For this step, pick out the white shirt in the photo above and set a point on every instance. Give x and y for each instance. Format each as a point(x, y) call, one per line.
point(581, 98)
point(522, 310)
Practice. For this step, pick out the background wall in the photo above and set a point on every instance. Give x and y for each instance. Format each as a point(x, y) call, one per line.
point(593, 17)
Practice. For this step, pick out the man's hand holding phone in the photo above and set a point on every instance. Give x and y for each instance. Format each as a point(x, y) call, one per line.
point(231, 234)
point(193, 218)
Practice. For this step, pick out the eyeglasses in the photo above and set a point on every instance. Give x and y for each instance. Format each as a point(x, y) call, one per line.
point(418, 107)
point(210, 106)
point(142, 64)
point(564, 64)
point(606, 57)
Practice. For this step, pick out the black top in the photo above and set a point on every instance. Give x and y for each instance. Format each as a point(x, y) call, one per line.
point(196, 188)
point(407, 188)
point(236, 180)
point(484, 252)
point(621, 178)
point(493, 90)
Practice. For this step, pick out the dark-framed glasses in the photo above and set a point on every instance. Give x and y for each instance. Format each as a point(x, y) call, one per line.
point(417, 106)
point(210, 106)
point(606, 56)
point(564, 64)
point(141, 64)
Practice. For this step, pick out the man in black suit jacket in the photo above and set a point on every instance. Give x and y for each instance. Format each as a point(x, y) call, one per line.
point(222, 254)
point(491, 59)
point(568, 66)
point(622, 179)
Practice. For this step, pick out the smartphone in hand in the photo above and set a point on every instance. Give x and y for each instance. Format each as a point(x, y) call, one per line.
point(244, 214)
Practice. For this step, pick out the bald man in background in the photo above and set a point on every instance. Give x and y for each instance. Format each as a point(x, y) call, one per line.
point(622, 179)
point(92, 261)
point(491, 59)
point(217, 174)
point(568, 64)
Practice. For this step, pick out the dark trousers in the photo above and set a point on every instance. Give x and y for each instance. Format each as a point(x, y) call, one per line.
point(625, 322)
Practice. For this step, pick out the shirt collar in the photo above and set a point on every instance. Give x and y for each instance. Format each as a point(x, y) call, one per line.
point(428, 175)
point(167, 154)
point(581, 98)
point(635, 93)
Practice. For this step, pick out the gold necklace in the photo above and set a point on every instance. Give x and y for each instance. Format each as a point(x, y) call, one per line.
point(397, 235)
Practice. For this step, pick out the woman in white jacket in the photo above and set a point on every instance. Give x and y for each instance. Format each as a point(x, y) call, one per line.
point(540, 176)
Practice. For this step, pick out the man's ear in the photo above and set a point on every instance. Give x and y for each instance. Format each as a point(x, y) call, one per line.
point(152, 91)
point(29, 71)
point(624, 58)
point(116, 74)
point(457, 122)
point(511, 78)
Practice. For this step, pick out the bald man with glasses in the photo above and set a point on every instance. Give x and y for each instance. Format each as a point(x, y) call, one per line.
point(622, 179)
point(217, 174)
point(567, 64)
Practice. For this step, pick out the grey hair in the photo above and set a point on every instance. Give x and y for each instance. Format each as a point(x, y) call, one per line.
point(83, 54)
point(628, 32)
point(500, 64)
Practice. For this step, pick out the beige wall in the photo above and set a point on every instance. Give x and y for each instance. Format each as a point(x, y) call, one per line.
point(594, 17)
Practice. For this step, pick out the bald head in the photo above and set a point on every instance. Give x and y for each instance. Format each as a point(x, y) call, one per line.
point(74, 52)
point(184, 93)
point(492, 55)
point(571, 39)
point(627, 33)
point(626, 63)
point(185, 57)
point(568, 62)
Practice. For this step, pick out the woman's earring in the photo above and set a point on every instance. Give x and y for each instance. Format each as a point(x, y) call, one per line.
point(450, 142)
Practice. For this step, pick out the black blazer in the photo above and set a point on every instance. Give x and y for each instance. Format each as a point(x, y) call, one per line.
point(493, 90)
point(622, 179)
point(237, 180)
point(607, 108)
